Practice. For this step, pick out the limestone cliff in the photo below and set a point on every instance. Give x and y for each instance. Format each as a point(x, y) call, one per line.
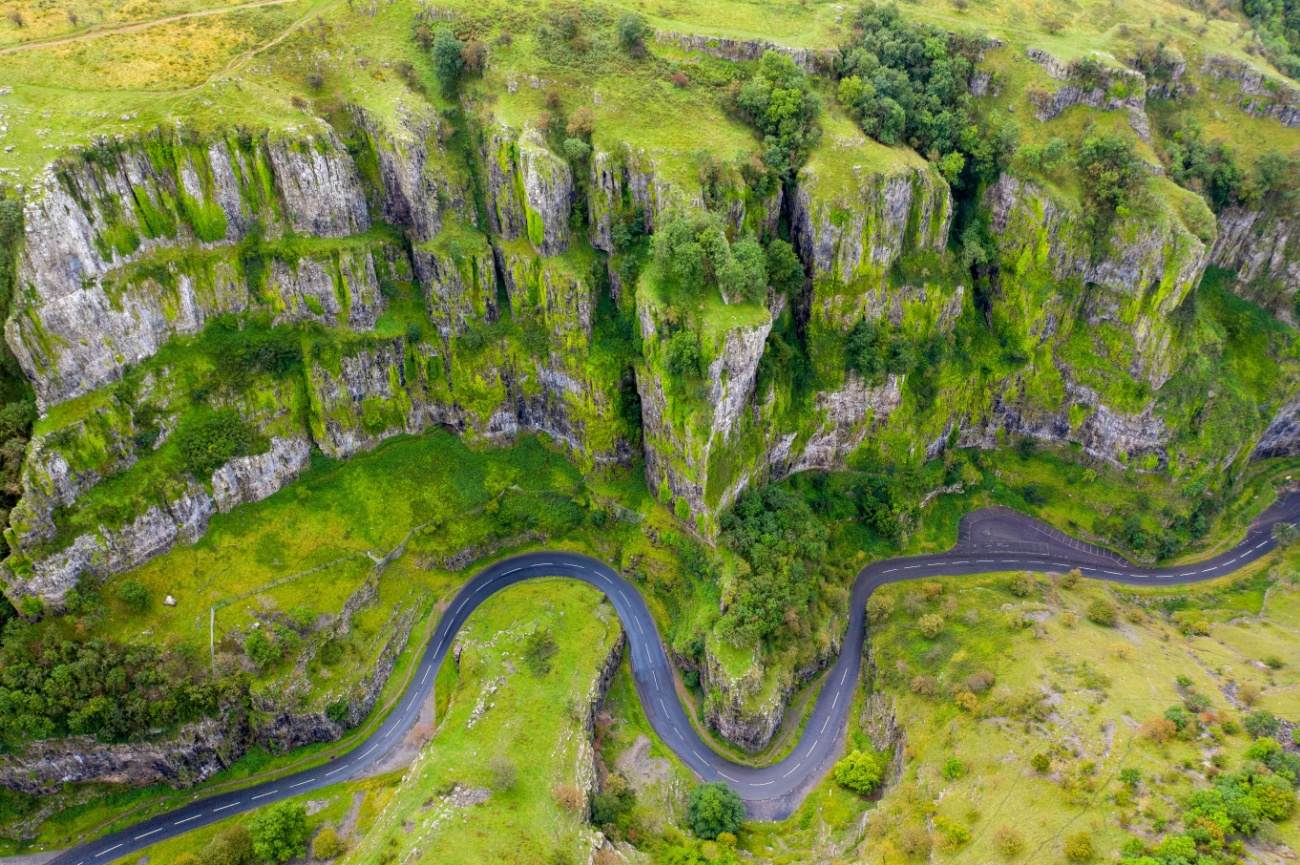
point(1263, 248)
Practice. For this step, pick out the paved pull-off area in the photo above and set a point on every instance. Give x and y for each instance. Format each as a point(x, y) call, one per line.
point(992, 539)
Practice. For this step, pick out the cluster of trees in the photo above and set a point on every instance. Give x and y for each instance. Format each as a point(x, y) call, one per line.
point(1212, 170)
point(860, 772)
point(778, 101)
point(781, 542)
point(873, 349)
point(694, 255)
point(910, 83)
point(1278, 24)
point(52, 686)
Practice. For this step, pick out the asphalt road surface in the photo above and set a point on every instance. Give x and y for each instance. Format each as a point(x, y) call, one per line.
point(992, 539)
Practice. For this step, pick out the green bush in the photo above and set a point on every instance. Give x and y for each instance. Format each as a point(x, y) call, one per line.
point(1262, 724)
point(859, 772)
point(134, 595)
point(1041, 763)
point(261, 649)
point(539, 648)
point(233, 846)
point(712, 809)
point(279, 832)
point(209, 439)
point(1078, 847)
point(1103, 613)
point(953, 768)
point(327, 845)
point(631, 33)
point(682, 355)
point(448, 62)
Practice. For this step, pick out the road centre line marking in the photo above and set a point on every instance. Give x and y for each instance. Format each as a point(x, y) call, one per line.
point(764, 784)
point(147, 834)
point(262, 795)
point(792, 771)
point(224, 807)
point(300, 783)
point(187, 819)
point(109, 850)
point(728, 777)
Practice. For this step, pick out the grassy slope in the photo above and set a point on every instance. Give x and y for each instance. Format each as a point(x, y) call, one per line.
point(534, 721)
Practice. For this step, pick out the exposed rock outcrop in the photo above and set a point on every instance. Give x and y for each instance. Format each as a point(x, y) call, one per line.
point(1146, 270)
point(1262, 95)
point(1282, 437)
point(530, 190)
point(814, 61)
point(1264, 249)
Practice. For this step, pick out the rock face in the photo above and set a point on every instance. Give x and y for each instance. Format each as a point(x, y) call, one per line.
point(848, 414)
point(857, 232)
point(1264, 250)
point(816, 62)
point(1148, 268)
point(1114, 90)
point(530, 190)
point(92, 219)
point(682, 433)
point(1282, 437)
point(183, 516)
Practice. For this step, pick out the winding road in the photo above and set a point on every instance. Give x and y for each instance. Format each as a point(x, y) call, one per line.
point(991, 539)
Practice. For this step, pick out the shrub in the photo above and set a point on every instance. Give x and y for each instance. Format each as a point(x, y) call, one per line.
point(966, 701)
point(1248, 692)
point(930, 625)
point(1158, 730)
point(951, 835)
point(1130, 776)
point(327, 845)
point(279, 832)
point(1041, 763)
point(1069, 619)
point(980, 681)
point(1070, 579)
point(234, 846)
point(569, 797)
point(134, 595)
point(712, 809)
point(1103, 613)
point(1078, 847)
point(859, 772)
point(1008, 841)
point(879, 607)
point(503, 772)
point(914, 842)
point(1110, 170)
point(208, 440)
point(1022, 585)
point(186, 859)
point(953, 768)
point(539, 648)
point(1262, 724)
point(581, 123)
point(682, 355)
point(261, 649)
point(926, 686)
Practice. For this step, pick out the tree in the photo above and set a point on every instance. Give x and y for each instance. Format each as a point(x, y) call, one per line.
point(448, 62)
point(234, 846)
point(744, 274)
point(1078, 847)
point(280, 832)
point(779, 102)
point(859, 772)
point(631, 33)
point(1285, 534)
point(327, 845)
point(1041, 763)
point(953, 768)
point(1102, 612)
point(581, 123)
point(784, 269)
point(712, 809)
point(930, 625)
point(682, 356)
point(134, 595)
point(1110, 170)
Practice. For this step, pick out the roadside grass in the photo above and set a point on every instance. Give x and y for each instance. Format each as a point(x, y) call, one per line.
point(502, 710)
point(334, 806)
